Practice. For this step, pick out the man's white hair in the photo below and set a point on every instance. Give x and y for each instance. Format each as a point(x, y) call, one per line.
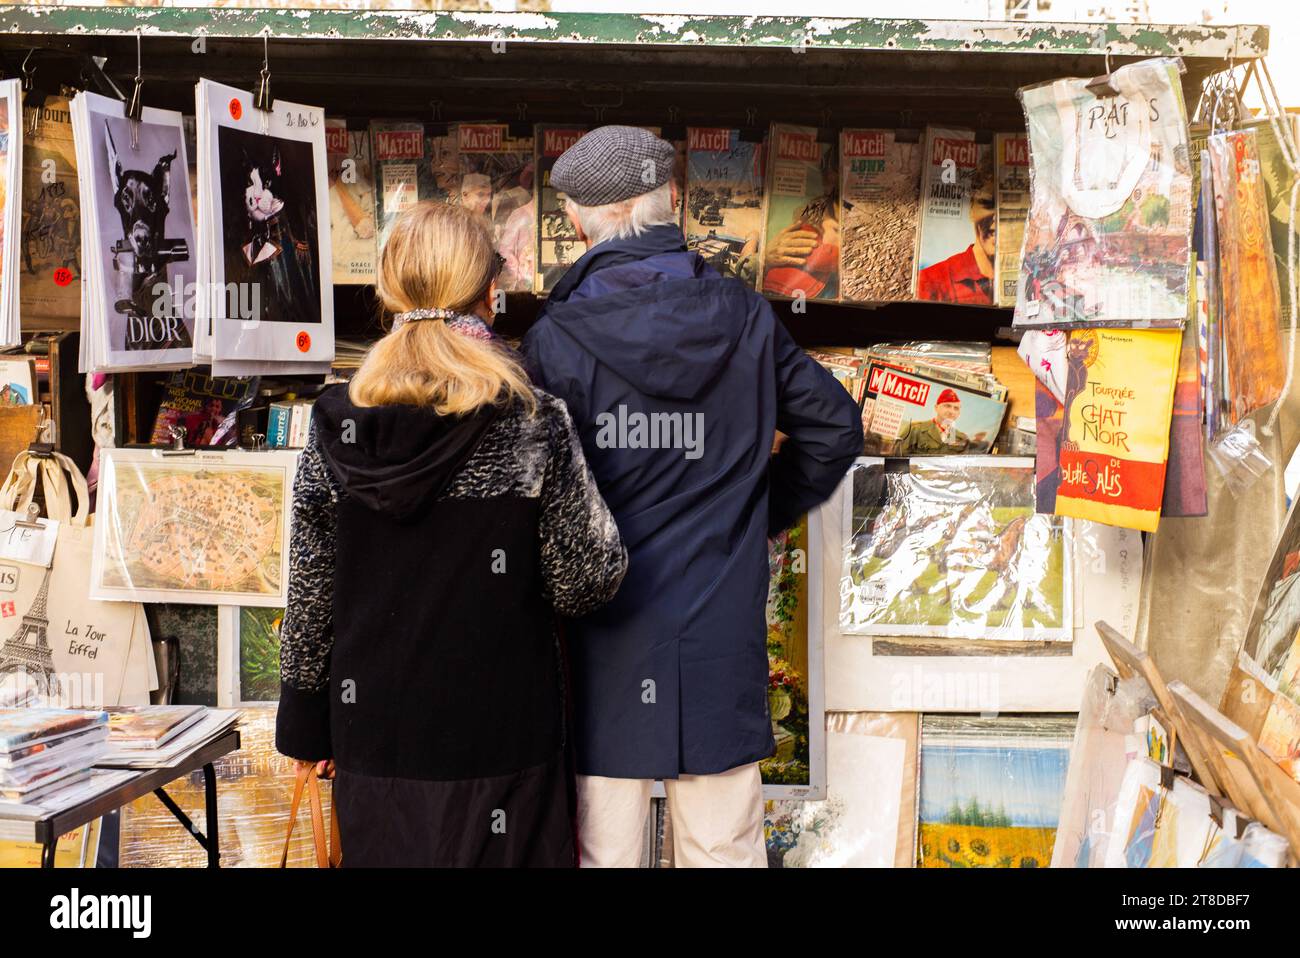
point(626, 217)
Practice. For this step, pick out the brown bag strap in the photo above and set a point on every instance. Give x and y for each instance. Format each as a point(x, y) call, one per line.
point(328, 855)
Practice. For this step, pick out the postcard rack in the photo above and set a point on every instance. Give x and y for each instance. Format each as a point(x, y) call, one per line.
point(1227, 761)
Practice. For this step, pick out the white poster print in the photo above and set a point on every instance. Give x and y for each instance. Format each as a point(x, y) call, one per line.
point(272, 296)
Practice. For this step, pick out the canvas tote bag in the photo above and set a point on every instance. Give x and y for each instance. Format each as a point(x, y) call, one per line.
point(50, 631)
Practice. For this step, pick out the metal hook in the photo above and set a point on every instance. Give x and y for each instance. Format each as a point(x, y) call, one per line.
point(27, 73)
point(135, 106)
point(262, 100)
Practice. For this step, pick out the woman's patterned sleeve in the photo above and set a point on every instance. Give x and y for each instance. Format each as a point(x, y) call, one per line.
point(302, 728)
point(583, 556)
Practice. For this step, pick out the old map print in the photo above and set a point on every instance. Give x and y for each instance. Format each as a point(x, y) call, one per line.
point(202, 529)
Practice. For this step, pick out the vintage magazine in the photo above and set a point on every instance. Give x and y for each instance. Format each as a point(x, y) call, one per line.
point(139, 260)
point(210, 528)
point(724, 200)
point(1185, 488)
point(957, 247)
point(1011, 163)
point(1108, 237)
point(1114, 434)
point(206, 408)
point(801, 245)
point(496, 179)
point(267, 238)
point(952, 548)
point(1250, 319)
point(880, 196)
point(558, 246)
point(908, 413)
point(50, 237)
point(413, 162)
point(352, 202)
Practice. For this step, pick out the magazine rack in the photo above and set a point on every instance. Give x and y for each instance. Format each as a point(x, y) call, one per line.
point(1131, 661)
point(1258, 786)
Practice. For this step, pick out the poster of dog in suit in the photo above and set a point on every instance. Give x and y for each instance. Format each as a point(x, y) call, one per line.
point(145, 230)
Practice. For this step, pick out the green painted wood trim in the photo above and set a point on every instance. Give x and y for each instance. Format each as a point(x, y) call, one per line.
point(1124, 39)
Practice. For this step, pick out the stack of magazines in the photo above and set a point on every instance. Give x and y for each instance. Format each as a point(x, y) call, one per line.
point(152, 736)
point(45, 751)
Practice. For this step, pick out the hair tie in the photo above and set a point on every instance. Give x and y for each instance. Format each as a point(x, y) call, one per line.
point(432, 312)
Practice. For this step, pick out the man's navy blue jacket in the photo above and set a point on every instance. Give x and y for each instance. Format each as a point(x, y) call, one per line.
point(670, 678)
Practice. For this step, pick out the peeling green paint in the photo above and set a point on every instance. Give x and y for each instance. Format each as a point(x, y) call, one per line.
point(1122, 39)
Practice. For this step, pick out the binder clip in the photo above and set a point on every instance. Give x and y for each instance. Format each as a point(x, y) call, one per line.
point(436, 126)
point(33, 513)
point(520, 128)
point(1103, 86)
point(43, 446)
point(262, 98)
point(751, 132)
point(259, 441)
point(134, 106)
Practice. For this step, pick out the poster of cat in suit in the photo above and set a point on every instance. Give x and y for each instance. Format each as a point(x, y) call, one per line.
point(269, 222)
point(269, 252)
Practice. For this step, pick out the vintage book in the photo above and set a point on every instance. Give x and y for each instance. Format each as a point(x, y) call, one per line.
point(50, 238)
point(139, 238)
point(558, 246)
point(207, 529)
point(880, 196)
point(1254, 365)
point(497, 180)
point(1114, 441)
point(724, 200)
point(951, 548)
point(801, 243)
point(907, 413)
point(1108, 236)
point(1011, 164)
point(352, 202)
point(149, 726)
point(957, 246)
point(204, 406)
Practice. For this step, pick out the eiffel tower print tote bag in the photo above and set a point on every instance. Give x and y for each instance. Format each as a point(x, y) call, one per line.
point(57, 646)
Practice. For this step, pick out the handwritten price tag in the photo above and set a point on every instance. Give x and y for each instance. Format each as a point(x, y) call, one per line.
point(24, 544)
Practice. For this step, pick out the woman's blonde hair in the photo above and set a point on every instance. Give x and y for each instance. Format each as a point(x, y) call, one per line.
point(437, 256)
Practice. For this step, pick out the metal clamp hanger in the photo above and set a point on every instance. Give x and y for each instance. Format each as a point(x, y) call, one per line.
point(262, 99)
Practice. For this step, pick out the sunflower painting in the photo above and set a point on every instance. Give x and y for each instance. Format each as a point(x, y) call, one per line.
point(991, 790)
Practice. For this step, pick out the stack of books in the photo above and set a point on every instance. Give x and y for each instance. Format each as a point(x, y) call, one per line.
point(153, 736)
point(45, 751)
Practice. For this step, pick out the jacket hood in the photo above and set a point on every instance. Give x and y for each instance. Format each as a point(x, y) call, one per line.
point(395, 459)
point(652, 312)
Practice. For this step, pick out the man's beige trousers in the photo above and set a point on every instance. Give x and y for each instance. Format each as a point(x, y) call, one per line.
point(717, 820)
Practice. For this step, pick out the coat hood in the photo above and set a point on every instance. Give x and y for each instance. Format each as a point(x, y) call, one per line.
point(653, 312)
point(395, 459)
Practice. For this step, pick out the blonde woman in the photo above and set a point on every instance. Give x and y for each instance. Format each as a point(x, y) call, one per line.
point(443, 517)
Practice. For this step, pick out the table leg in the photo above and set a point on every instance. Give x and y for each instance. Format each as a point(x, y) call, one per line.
point(210, 798)
point(47, 852)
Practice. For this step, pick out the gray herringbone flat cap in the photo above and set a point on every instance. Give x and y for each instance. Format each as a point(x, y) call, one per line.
point(613, 163)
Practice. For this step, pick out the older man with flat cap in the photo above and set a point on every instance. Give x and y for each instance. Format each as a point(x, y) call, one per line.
point(677, 380)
